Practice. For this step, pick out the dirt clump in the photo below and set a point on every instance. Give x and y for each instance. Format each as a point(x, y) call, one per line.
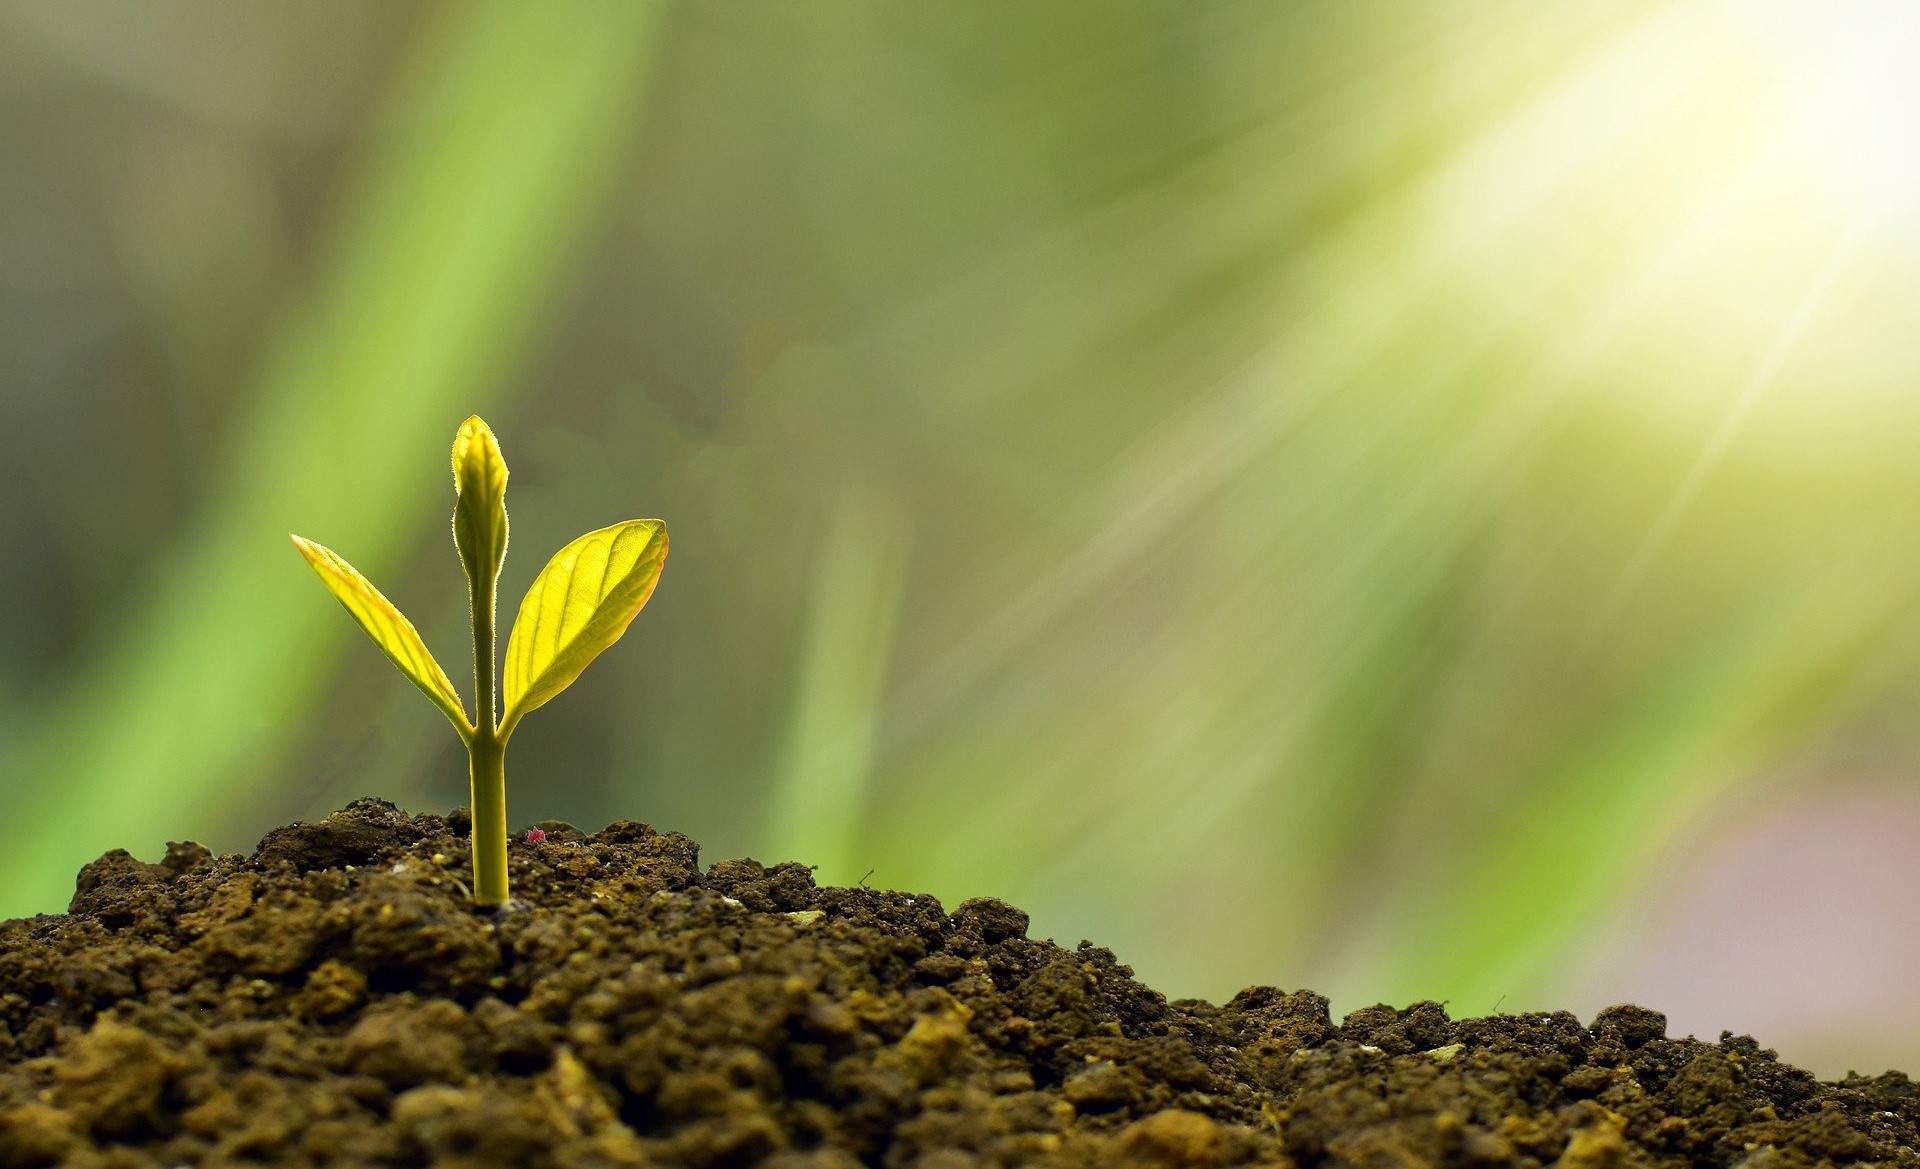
point(335, 1000)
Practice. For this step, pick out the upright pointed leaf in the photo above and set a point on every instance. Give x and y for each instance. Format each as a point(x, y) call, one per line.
point(480, 514)
point(389, 628)
point(580, 604)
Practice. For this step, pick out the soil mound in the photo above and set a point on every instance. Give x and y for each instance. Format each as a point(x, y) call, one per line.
point(333, 1000)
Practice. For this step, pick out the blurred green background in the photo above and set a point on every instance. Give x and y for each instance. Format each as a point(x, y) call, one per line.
point(1413, 498)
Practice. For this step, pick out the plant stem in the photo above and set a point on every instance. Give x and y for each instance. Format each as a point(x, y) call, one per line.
point(486, 754)
point(487, 773)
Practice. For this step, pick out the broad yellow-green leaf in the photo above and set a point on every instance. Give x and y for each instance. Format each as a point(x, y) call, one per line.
point(580, 604)
point(389, 628)
point(480, 514)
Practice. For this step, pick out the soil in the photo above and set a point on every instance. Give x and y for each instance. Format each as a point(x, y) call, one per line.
point(335, 1000)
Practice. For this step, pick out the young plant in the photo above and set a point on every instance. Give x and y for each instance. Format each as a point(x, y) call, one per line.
point(580, 604)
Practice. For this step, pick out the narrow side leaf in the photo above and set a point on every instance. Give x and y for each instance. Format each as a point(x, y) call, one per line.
point(580, 604)
point(389, 628)
point(480, 513)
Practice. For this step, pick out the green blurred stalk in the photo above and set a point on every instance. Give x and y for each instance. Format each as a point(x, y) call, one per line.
point(1484, 929)
point(464, 222)
point(819, 792)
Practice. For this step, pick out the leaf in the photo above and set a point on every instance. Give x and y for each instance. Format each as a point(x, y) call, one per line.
point(580, 604)
point(389, 628)
point(480, 514)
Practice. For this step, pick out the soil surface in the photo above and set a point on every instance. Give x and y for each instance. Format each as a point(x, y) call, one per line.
point(335, 1000)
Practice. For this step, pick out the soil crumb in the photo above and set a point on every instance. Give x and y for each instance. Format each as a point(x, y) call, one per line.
point(334, 1000)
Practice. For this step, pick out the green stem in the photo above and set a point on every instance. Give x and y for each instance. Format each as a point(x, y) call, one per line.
point(484, 596)
point(487, 773)
point(487, 753)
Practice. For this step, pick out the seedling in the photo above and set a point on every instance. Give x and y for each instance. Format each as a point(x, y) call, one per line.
point(580, 604)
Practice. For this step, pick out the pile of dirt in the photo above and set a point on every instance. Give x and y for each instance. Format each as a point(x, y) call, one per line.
point(335, 1000)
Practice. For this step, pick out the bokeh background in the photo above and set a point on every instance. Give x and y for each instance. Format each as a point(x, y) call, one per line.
point(1412, 498)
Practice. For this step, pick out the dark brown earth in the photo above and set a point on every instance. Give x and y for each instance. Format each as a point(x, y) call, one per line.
point(335, 1000)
